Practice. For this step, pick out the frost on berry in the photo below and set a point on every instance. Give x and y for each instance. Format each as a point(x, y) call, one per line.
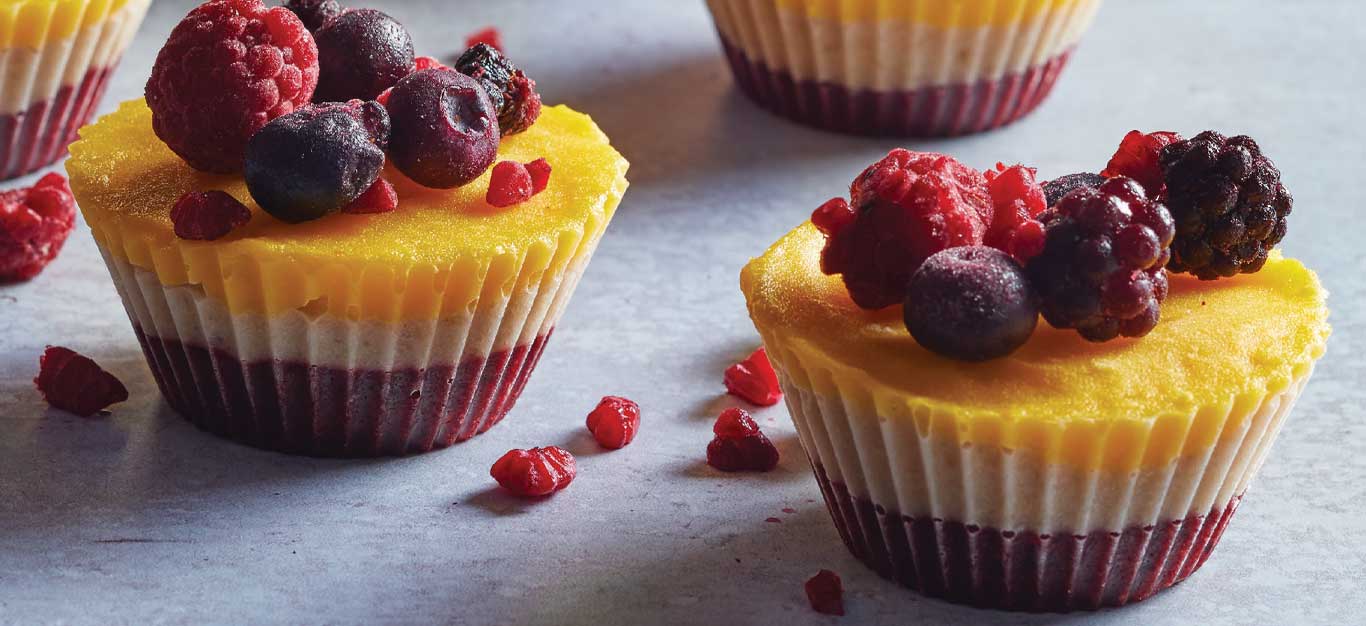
point(361, 53)
point(1018, 199)
point(34, 225)
point(75, 384)
point(1137, 158)
point(510, 184)
point(207, 215)
point(754, 380)
point(739, 445)
point(825, 592)
point(614, 422)
point(535, 472)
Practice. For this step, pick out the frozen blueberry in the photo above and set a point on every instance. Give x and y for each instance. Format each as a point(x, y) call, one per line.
point(971, 303)
point(360, 54)
point(445, 128)
point(317, 160)
point(314, 13)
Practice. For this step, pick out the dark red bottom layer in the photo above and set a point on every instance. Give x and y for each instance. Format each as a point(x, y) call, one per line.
point(926, 112)
point(1023, 570)
point(39, 136)
point(299, 408)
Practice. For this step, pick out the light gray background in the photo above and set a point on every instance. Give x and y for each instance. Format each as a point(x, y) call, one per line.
point(139, 518)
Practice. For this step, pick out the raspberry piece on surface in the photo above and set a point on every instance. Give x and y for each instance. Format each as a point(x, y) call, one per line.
point(754, 380)
point(825, 592)
point(536, 472)
point(1229, 205)
point(512, 93)
point(1137, 158)
point(381, 197)
point(1055, 189)
point(228, 68)
point(1018, 200)
point(614, 422)
point(540, 175)
point(314, 13)
point(208, 215)
point(34, 225)
point(1102, 270)
point(510, 184)
point(75, 384)
point(489, 36)
point(361, 53)
point(906, 207)
point(739, 445)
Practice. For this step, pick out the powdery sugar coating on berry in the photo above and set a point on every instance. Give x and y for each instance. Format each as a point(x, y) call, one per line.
point(614, 422)
point(1137, 158)
point(905, 208)
point(1229, 205)
point(445, 129)
point(361, 54)
point(1055, 189)
point(972, 303)
point(739, 445)
point(513, 94)
point(75, 384)
point(825, 592)
point(208, 215)
point(536, 472)
point(228, 68)
point(754, 380)
point(314, 13)
point(34, 225)
point(1018, 200)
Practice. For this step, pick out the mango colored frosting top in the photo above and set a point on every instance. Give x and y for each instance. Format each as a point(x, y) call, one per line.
point(31, 23)
point(943, 13)
point(1220, 348)
point(432, 257)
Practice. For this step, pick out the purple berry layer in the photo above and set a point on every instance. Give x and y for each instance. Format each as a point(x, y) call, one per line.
point(39, 135)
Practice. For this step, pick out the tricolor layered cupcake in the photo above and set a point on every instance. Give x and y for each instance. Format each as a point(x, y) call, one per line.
point(55, 60)
point(916, 67)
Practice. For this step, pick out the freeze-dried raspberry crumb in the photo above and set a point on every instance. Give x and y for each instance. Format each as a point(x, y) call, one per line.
point(489, 35)
point(754, 380)
point(509, 184)
point(75, 384)
point(540, 174)
point(773, 520)
point(208, 215)
point(825, 592)
point(1018, 200)
point(379, 198)
point(34, 224)
point(1137, 158)
point(739, 445)
point(614, 422)
point(535, 472)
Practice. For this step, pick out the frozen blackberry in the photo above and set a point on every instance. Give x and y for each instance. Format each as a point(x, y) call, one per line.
point(314, 13)
point(1055, 189)
point(360, 54)
point(972, 303)
point(1228, 202)
point(1102, 267)
point(512, 93)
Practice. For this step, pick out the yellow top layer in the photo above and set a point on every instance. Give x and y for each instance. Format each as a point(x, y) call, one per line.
point(431, 258)
point(944, 13)
point(32, 23)
point(1220, 348)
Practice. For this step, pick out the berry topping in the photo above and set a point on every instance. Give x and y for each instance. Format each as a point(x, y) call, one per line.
point(739, 445)
point(445, 128)
point(825, 592)
point(1018, 200)
point(1228, 202)
point(361, 53)
point(228, 68)
point(1102, 267)
point(614, 422)
point(1137, 158)
point(314, 13)
point(209, 215)
point(34, 224)
point(972, 303)
point(512, 93)
point(1055, 189)
point(76, 384)
point(754, 380)
point(535, 472)
point(318, 159)
point(379, 198)
point(489, 36)
point(905, 208)
point(540, 175)
point(509, 184)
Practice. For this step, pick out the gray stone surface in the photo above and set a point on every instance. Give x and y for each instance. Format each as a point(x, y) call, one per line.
point(140, 519)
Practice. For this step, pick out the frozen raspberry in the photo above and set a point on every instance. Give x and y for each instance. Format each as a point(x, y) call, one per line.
point(208, 215)
point(739, 445)
point(1055, 189)
point(512, 93)
point(535, 472)
point(540, 175)
point(1228, 202)
point(972, 303)
point(317, 160)
point(1102, 268)
point(379, 198)
point(1018, 200)
point(754, 380)
point(314, 13)
point(34, 224)
point(360, 54)
point(489, 36)
point(445, 128)
point(905, 207)
point(510, 184)
point(1137, 158)
point(76, 384)
point(614, 422)
point(825, 592)
point(228, 68)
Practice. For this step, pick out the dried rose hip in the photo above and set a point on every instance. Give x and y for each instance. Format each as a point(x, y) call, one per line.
point(76, 384)
point(825, 592)
point(739, 445)
point(510, 184)
point(540, 175)
point(208, 215)
point(535, 472)
point(489, 35)
point(614, 422)
point(379, 198)
point(754, 380)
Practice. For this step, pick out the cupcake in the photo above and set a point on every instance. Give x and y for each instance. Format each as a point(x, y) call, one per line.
point(970, 454)
point(316, 303)
point(55, 61)
point(912, 68)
